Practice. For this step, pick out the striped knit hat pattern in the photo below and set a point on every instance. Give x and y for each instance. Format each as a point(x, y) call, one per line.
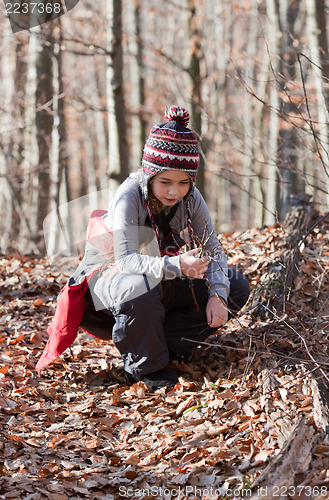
point(170, 146)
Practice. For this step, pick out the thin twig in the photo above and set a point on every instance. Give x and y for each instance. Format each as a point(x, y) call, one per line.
point(304, 342)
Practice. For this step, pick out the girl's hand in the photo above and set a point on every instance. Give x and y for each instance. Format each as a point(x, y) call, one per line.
point(217, 312)
point(193, 267)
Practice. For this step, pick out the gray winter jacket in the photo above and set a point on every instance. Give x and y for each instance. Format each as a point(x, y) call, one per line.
point(136, 249)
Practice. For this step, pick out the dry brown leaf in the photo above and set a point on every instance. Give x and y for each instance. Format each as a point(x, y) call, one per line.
point(79, 430)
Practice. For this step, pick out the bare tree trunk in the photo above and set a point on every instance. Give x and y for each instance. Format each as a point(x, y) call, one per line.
point(318, 46)
point(62, 128)
point(44, 124)
point(9, 181)
point(15, 146)
point(141, 80)
point(248, 122)
point(196, 91)
point(101, 133)
point(118, 144)
point(59, 161)
point(288, 144)
point(136, 72)
point(221, 104)
point(90, 166)
point(30, 162)
point(321, 15)
point(272, 186)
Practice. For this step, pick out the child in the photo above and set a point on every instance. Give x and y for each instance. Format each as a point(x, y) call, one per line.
point(159, 302)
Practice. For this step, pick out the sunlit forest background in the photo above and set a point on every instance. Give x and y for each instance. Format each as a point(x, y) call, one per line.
point(79, 94)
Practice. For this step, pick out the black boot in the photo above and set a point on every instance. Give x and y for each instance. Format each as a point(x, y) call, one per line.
point(162, 378)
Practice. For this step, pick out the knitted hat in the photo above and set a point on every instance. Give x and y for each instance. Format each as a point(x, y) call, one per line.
point(170, 146)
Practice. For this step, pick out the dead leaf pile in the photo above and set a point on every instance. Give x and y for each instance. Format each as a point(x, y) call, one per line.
point(79, 431)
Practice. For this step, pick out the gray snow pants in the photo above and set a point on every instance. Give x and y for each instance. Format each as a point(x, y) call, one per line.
point(159, 321)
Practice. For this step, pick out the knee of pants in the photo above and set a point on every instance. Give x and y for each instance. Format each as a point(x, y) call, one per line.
point(145, 305)
point(122, 288)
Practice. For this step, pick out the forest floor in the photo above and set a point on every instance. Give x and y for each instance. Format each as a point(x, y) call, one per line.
point(248, 419)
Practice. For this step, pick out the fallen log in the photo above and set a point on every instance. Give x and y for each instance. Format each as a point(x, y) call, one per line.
point(269, 298)
point(292, 461)
point(277, 418)
point(320, 396)
point(298, 437)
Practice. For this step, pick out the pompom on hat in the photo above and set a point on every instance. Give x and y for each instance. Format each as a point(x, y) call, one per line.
point(170, 146)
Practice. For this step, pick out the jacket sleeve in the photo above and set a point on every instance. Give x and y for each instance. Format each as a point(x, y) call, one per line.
point(136, 248)
point(216, 275)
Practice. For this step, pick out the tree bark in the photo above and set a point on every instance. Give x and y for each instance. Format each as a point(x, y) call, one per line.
point(194, 72)
point(59, 182)
point(272, 184)
point(118, 143)
point(137, 92)
point(249, 123)
point(318, 47)
point(292, 460)
point(44, 126)
point(15, 147)
point(101, 165)
point(288, 143)
point(321, 15)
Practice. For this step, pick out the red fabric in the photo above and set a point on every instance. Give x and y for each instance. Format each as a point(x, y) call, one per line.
point(62, 332)
point(71, 303)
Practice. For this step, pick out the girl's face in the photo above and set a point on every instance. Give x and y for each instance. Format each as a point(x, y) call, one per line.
point(170, 186)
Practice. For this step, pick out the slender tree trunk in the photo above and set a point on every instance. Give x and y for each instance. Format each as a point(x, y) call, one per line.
point(196, 91)
point(59, 160)
point(16, 147)
point(288, 144)
point(136, 72)
point(62, 127)
point(318, 46)
point(141, 80)
point(30, 162)
point(91, 172)
point(272, 199)
point(249, 123)
point(222, 10)
point(321, 15)
point(101, 133)
point(44, 124)
point(118, 144)
point(9, 180)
